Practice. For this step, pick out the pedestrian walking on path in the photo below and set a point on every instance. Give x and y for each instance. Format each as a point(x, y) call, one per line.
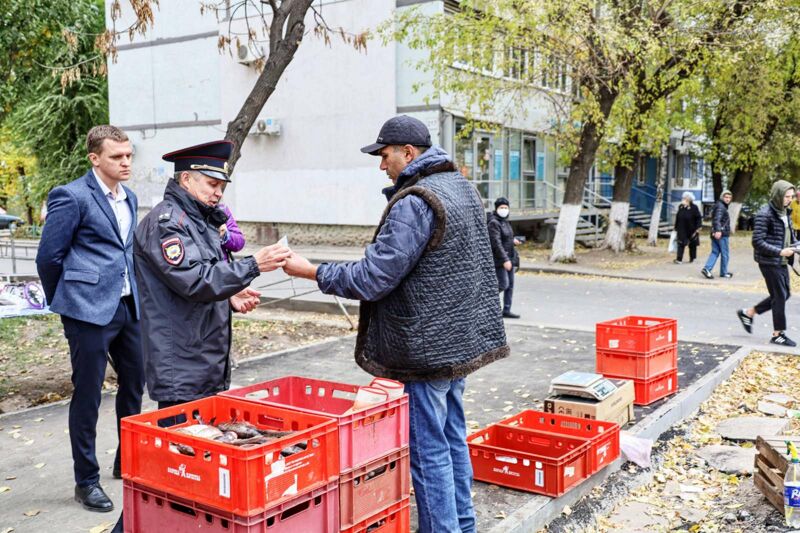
point(720, 232)
point(501, 237)
point(772, 239)
point(688, 222)
point(429, 313)
point(85, 262)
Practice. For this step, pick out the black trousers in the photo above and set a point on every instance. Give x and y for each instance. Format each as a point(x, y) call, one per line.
point(505, 282)
point(779, 287)
point(692, 243)
point(89, 346)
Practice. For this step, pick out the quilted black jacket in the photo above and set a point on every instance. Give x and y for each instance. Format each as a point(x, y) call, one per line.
point(768, 236)
point(720, 219)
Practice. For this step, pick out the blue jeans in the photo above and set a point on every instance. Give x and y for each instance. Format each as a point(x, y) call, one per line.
point(440, 466)
point(718, 248)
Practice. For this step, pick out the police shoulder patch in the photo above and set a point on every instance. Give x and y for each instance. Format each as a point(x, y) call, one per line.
point(172, 250)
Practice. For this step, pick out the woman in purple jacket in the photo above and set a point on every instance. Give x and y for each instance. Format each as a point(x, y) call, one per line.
point(230, 234)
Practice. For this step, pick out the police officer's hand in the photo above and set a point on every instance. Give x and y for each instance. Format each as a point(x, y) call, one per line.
point(245, 301)
point(300, 267)
point(508, 266)
point(271, 258)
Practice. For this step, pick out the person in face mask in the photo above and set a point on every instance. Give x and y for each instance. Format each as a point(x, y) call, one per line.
point(772, 239)
point(501, 236)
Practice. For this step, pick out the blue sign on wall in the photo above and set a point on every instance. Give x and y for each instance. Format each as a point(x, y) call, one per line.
point(540, 165)
point(513, 165)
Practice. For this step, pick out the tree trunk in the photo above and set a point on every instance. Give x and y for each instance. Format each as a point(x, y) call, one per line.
point(716, 181)
point(582, 162)
point(286, 32)
point(655, 217)
point(739, 189)
point(620, 207)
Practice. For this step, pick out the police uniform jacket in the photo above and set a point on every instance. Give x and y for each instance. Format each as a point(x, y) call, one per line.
point(184, 286)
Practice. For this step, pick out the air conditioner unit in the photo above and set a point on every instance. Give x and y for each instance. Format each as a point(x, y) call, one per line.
point(247, 54)
point(266, 126)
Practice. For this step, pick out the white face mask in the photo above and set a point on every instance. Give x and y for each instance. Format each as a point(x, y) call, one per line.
point(502, 212)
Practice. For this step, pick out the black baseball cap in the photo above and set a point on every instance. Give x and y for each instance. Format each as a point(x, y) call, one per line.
point(400, 130)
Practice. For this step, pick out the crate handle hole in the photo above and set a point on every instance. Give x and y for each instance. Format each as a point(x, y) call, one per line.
point(275, 391)
point(171, 420)
point(273, 422)
point(182, 509)
point(339, 394)
point(297, 509)
point(209, 518)
point(375, 473)
point(309, 390)
point(317, 501)
point(257, 394)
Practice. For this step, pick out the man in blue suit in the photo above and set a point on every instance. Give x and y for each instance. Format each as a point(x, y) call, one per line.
point(85, 262)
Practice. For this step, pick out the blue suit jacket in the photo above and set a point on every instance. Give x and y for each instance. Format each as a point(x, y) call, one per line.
point(82, 257)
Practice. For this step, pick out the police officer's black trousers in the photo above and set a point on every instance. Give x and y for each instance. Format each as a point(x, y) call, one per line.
point(89, 345)
point(779, 287)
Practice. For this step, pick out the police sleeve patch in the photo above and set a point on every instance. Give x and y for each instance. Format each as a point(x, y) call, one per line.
point(172, 250)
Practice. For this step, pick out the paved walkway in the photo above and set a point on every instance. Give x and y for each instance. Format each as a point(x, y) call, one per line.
point(36, 446)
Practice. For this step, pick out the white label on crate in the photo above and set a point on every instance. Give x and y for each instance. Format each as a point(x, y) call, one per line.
point(223, 460)
point(613, 343)
point(538, 464)
point(526, 462)
point(506, 459)
point(569, 471)
point(669, 336)
point(224, 483)
point(539, 481)
point(669, 384)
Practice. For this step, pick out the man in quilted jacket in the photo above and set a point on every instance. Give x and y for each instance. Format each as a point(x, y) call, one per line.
point(720, 232)
point(429, 313)
point(772, 250)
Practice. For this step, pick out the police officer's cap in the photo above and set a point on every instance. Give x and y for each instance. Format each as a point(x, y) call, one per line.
point(209, 158)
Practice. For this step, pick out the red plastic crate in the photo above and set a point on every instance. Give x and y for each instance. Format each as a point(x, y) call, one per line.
point(650, 390)
point(529, 460)
point(363, 436)
point(148, 511)
point(373, 487)
point(641, 334)
point(603, 436)
point(395, 519)
point(637, 366)
point(245, 481)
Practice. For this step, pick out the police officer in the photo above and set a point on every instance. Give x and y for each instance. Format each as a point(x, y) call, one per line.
point(187, 289)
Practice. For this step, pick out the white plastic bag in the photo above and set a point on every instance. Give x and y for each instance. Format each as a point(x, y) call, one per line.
point(636, 449)
point(673, 242)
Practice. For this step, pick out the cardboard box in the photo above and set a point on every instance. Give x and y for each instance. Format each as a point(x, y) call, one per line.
point(618, 407)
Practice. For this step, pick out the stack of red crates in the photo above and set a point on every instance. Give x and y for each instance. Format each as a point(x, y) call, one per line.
point(179, 483)
point(544, 453)
point(642, 349)
point(374, 484)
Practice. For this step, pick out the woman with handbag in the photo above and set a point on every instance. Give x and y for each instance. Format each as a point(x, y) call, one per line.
point(688, 222)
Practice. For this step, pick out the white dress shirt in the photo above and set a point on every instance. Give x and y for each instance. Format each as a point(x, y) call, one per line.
point(122, 212)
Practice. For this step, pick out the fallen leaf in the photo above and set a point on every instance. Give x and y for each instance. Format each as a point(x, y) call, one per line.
point(567, 510)
point(102, 528)
point(38, 465)
point(32, 512)
point(40, 419)
point(500, 516)
point(9, 478)
point(4, 489)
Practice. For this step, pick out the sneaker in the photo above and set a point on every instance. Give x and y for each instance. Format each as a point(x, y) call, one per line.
point(746, 320)
point(782, 340)
point(707, 274)
point(728, 275)
point(677, 262)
